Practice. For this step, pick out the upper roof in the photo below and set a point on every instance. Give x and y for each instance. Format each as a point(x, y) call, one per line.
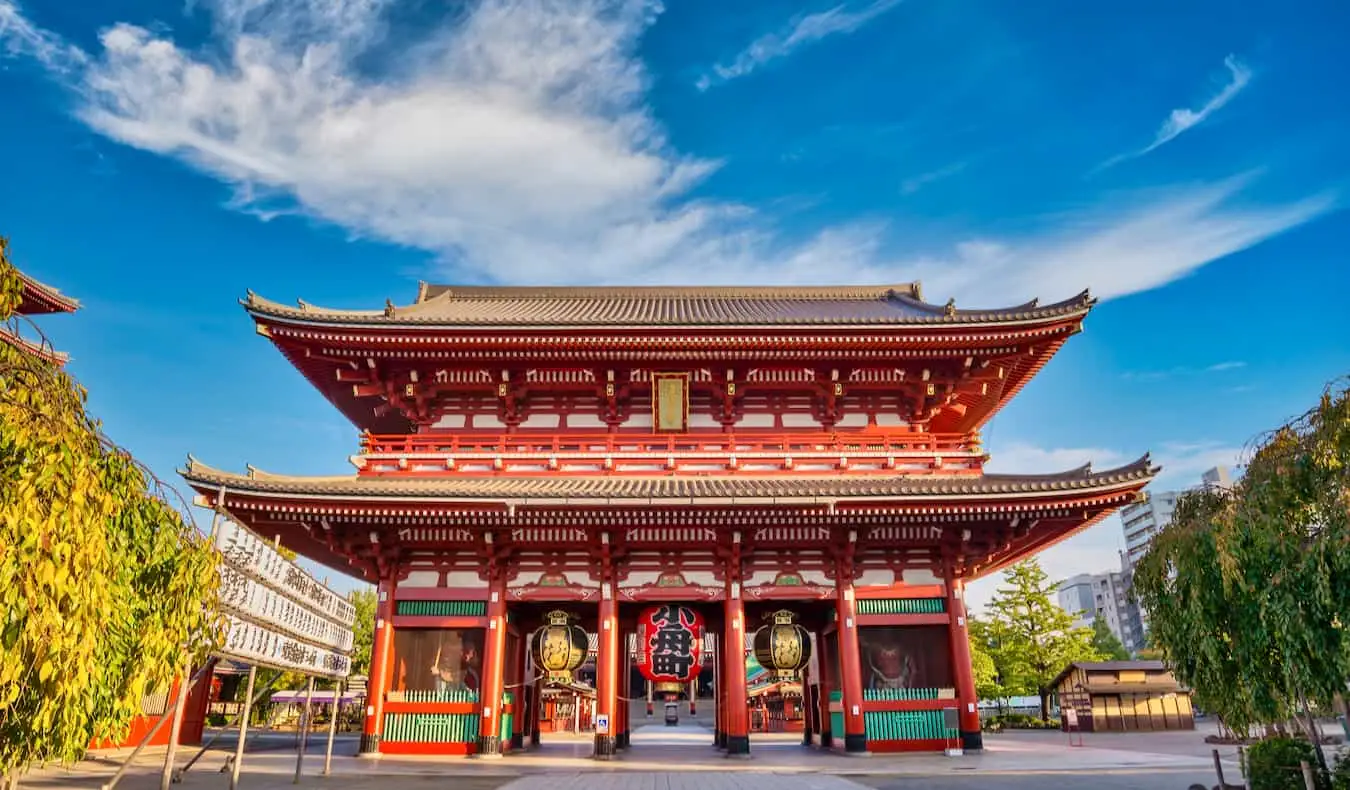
point(1110, 666)
point(652, 306)
point(41, 298)
point(747, 489)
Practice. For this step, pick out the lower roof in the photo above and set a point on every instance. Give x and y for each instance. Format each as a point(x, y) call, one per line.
point(616, 489)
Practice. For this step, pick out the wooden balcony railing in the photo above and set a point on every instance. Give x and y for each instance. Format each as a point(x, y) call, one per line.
point(618, 452)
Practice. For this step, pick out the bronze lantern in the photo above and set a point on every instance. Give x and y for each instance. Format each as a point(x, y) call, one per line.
point(559, 648)
point(783, 648)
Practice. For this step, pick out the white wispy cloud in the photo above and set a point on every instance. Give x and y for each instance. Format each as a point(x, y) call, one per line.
point(1184, 118)
point(20, 37)
point(515, 142)
point(1156, 375)
point(799, 32)
point(914, 183)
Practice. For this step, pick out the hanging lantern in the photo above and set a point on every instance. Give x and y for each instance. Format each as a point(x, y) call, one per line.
point(783, 648)
point(559, 647)
point(670, 646)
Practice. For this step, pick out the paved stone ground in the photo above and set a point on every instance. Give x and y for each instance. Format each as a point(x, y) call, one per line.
point(675, 758)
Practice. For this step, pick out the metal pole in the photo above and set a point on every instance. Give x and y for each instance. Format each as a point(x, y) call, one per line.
point(1218, 768)
point(332, 728)
point(131, 758)
point(243, 727)
point(248, 700)
point(175, 728)
point(304, 729)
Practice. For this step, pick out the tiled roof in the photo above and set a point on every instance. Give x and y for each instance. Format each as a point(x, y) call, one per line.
point(739, 488)
point(42, 298)
point(478, 306)
point(37, 349)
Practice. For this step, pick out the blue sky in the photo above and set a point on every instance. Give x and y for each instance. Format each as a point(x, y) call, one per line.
point(1185, 161)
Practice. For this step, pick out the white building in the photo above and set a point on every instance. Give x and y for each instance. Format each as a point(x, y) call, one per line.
point(1088, 596)
point(1145, 519)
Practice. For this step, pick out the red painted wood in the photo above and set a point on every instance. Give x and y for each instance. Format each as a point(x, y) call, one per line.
point(430, 621)
point(873, 706)
point(904, 619)
point(737, 706)
point(901, 591)
point(392, 706)
point(411, 747)
point(494, 664)
point(850, 659)
point(961, 666)
point(406, 593)
point(381, 658)
point(922, 745)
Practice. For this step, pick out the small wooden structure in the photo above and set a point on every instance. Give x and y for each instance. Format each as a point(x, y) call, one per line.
point(1123, 696)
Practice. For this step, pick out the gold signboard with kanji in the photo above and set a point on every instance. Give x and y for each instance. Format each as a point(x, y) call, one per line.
point(670, 401)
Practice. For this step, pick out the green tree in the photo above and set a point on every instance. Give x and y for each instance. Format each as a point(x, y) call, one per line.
point(1107, 643)
point(106, 590)
point(363, 630)
point(1248, 588)
point(1036, 637)
point(1008, 678)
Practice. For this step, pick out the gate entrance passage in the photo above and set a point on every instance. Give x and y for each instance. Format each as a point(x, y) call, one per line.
point(804, 464)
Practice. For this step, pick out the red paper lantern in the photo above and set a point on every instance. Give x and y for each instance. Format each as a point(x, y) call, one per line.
point(669, 646)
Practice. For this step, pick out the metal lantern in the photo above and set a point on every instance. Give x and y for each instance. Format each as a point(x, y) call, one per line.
point(783, 648)
point(670, 646)
point(559, 647)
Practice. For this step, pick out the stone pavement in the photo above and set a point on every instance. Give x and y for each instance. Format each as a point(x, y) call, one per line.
point(674, 758)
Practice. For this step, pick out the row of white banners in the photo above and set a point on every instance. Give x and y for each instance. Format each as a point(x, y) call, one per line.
point(279, 616)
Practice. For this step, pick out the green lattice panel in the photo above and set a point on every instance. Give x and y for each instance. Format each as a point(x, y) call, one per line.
point(875, 695)
point(446, 695)
point(441, 608)
point(906, 725)
point(901, 606)
point(431, 727)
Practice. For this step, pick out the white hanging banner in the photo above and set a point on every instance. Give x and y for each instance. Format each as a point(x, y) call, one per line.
point(254, 644)
point(279, 615)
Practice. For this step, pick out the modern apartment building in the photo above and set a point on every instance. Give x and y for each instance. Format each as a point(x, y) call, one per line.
point(1088, 596)
point(1145, 519)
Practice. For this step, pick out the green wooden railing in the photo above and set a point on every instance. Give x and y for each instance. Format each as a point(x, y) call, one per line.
point(448, 695)
point(441, 608)
point(901, 605)
point(887, 695)
point(907, 725)
point(431, 727)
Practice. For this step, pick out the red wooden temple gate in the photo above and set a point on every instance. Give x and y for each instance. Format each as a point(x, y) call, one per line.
point(737, 450)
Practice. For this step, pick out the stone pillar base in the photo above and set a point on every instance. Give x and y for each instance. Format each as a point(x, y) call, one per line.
point(489, 746)
point(738, 745)
point(719, 739)
point(972, 741)
point(605, 747)
point(826, 739)
point(517, 740)
point(855, 743)
point(370, 744)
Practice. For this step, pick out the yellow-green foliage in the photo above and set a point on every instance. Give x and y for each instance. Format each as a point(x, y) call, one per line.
point(105, 590)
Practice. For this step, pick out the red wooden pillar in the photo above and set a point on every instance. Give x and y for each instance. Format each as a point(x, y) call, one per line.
point(606, 673)
point(381, 664)
point(971, 739)
point(492, 685)
point(519, 716)
point(737, 712)
point(850, 664)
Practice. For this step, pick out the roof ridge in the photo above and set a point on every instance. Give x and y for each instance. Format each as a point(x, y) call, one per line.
point(428, 292)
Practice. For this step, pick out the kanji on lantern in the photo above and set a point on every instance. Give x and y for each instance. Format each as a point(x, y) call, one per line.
point(670, 645)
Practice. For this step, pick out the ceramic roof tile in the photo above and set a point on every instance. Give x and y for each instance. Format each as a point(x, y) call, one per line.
point(478, 306)
point(619, 488)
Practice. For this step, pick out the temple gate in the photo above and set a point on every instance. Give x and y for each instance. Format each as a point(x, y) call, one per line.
point(805, 458)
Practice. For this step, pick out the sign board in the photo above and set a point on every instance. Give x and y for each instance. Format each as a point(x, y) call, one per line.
point(602, 724)
point(277, 614)
point(951, 718)
point(1071, 718)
